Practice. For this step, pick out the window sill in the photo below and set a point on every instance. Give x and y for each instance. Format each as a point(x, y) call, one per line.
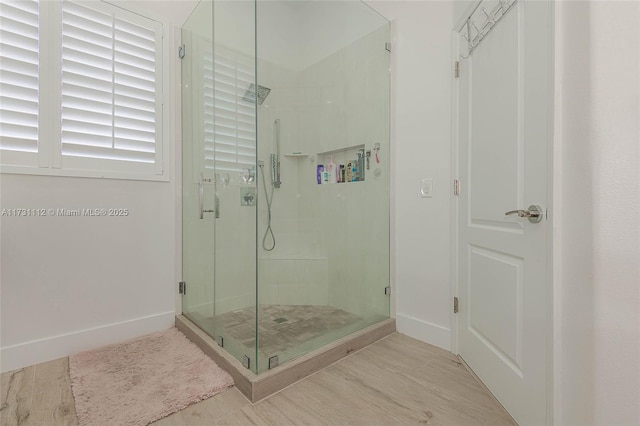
point(90, 174)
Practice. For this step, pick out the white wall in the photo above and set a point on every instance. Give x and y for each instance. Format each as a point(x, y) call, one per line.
point(597, 198)
point(74, 283)
point(292, 34)
point(421, 87)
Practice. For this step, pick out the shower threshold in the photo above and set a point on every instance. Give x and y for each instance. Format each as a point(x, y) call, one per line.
point(258, 386)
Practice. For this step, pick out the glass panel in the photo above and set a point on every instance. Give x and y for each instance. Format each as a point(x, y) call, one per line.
point(197, 233)
point(323, 249)
point(233, 155)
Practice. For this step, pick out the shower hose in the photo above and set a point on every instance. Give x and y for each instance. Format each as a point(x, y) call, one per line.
point(269, 198)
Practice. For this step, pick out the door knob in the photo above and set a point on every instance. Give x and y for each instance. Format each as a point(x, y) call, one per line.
point(534, 214)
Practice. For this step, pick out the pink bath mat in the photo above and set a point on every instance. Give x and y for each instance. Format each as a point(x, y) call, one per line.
point(142, 380)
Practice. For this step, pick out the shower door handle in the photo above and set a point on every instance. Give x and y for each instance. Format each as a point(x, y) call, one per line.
point(201, 208)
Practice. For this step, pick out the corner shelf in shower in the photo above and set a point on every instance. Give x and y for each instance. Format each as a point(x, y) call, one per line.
point(297, 155)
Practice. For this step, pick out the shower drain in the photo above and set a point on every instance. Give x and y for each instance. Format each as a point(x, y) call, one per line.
point(280, 320)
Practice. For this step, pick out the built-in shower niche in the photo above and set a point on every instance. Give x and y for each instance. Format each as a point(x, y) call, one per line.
point(351, 164)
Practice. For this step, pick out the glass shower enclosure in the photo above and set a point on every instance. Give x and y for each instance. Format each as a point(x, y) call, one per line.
point(285, 174)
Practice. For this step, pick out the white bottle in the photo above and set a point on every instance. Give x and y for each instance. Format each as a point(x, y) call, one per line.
point(332, 171)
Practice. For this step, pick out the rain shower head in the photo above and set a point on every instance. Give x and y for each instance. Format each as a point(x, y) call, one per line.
point(260, 92)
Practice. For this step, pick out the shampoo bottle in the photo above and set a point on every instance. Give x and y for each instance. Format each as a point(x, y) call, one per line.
point(354, 170)
point(332, 170)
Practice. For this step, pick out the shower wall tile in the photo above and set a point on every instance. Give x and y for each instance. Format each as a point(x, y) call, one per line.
point(293, 281)
point(268, 294)
point(332, 241)
point(353, 217)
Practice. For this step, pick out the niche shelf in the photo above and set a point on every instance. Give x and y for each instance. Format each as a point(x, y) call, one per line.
point(297, 155)
point(342, 156)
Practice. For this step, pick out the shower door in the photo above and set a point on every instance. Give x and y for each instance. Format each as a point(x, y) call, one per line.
point(198, 180)
point(233, 133)
point(219, 175)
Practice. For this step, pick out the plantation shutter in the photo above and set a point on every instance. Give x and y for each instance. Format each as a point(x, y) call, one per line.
point(208, 110)
point(234, 128)
point(19, 81)
point(111, 89)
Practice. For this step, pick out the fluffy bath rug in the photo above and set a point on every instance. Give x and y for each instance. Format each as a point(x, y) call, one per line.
point(142, 380)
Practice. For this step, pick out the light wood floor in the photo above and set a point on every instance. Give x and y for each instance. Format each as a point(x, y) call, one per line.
point(395, 381)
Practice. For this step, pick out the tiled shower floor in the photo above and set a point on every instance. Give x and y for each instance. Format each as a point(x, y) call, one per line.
point(282, 327)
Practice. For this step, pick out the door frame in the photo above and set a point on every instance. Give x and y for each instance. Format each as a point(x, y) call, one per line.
point(455, 173)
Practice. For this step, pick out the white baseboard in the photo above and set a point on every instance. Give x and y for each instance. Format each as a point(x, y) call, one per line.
point(424, 331)
point(42, 350)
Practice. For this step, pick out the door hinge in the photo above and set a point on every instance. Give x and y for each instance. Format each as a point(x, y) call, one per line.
point(246, 361)
point(182, 287)
point(455, 305)
point(456, 187)
point(274, 361)
point(182, 50)
point(387, 46)
point(456, 69)
point(387, 290)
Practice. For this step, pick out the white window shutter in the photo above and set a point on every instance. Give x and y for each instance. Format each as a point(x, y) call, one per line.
point(234, 118)
point(208, 111)
point(19, 82)
point(111, 89)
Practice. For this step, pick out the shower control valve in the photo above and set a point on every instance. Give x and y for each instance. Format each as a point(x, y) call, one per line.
point(248, 196)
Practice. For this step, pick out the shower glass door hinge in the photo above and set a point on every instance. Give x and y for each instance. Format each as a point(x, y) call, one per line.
point(455, 305)
point(456, 187)
point(387, 290)
point(220, 341)
point(182, 50)
point(456, 69)
point(387, 46)
point(182, 287)
point(246, 361)
point(274, 361)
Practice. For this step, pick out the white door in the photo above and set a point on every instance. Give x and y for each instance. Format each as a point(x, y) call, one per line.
point(505, 129)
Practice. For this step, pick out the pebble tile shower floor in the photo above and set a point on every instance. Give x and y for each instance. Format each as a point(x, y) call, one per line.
point(281, 327)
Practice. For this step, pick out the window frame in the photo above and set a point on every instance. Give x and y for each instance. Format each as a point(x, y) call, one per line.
point(48, 161)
